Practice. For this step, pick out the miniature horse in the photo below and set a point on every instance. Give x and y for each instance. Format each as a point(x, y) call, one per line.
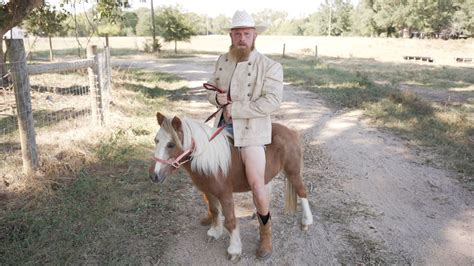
point(217, 170)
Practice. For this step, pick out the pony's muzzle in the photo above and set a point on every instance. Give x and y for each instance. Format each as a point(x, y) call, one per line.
point(156, 178)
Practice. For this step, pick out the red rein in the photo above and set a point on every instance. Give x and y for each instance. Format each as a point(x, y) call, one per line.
point(211, 87)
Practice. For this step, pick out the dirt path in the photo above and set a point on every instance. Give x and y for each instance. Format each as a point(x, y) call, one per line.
point(373, 198)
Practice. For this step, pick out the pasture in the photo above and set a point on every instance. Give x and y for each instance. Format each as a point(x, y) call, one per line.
point(92, 202)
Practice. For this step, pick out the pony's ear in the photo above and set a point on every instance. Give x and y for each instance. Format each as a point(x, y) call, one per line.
point(176, 123)
point(160, 117)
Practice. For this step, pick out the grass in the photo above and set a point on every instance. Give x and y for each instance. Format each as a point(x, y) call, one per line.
point(91, 201)
point(373, 86)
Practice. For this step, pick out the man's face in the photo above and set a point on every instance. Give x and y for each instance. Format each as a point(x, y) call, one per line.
point(243, 38)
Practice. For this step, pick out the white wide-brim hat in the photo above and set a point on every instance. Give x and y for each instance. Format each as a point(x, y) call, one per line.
point(242, 19)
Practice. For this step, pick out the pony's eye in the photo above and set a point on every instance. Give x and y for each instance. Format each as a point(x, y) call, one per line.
point(170, 145)
point(156, 141)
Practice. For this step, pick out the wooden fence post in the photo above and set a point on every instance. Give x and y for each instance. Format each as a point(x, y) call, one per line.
point(103, 88)
point(108, 81)
point(94, 78)
point(21, 84)
point(316, 51)
point(284, 50)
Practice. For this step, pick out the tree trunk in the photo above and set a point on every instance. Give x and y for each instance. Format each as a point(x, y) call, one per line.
point(50, 49)
point(175, 46)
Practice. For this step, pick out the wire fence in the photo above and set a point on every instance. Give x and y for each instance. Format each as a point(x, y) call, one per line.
point(55, 97)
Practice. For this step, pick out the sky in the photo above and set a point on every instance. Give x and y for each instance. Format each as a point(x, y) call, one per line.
point(213, 8)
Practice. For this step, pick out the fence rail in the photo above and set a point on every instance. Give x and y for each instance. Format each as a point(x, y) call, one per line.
point(61, 66)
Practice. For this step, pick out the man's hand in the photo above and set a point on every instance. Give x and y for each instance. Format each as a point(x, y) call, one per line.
point(228, 112)
point(221, 98)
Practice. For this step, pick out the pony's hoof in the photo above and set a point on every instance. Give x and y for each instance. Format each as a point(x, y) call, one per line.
point(234, 258)
point(210, 239)
point(304, 227)
point(206, 221)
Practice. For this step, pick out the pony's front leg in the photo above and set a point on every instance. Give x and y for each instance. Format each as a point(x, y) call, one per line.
point(215, 211)
point(235, 245)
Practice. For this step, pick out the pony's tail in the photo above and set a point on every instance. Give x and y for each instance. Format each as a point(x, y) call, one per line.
point(290, 197)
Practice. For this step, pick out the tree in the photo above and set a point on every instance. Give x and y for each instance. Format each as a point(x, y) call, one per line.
point(47, 21)
point(11, 15)
point(274, 19)
point(463, 17)
point(143, 27)
point(218, 23)
point(129, 23)
point(174, 26)
point(333, 18)
point(110, 13)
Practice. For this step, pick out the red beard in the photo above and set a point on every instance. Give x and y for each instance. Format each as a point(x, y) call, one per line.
point(240, 54)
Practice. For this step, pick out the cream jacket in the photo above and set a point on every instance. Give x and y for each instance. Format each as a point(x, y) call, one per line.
point(256, 88)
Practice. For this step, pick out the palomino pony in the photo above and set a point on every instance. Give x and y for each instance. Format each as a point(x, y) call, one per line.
point(217, 170)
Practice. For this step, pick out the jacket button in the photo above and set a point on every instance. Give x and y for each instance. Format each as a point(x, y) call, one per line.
point(249, 74)
point(248, 94)
point(220, 68)
point(247, 128)
point(217, 78)
point(248, 85)
point(250, 64)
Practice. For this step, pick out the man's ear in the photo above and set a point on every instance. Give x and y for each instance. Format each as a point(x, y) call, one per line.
point(160, 117)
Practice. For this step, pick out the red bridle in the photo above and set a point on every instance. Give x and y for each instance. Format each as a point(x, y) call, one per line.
point(176, 163)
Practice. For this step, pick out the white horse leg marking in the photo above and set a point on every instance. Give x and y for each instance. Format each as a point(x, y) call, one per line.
point(235, 245)
point(307, 215)
point(216, 230)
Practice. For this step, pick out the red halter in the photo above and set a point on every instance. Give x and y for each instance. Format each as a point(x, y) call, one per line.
point(176, 163)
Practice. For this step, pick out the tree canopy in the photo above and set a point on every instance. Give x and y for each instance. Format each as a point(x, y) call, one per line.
point(334, 17)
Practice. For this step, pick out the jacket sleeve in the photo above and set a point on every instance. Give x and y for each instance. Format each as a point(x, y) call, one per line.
point(211, 95)
point(270, 99)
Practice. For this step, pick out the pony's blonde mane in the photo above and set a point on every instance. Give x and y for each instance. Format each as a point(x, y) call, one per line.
point(209, 158)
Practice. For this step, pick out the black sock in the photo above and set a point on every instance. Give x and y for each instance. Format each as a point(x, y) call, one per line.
point(264, 218)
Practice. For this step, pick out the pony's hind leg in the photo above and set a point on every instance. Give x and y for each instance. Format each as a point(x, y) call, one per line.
point(215, 211)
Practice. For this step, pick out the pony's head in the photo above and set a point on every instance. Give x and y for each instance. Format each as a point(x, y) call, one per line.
point(168, 147)
point(184, 140)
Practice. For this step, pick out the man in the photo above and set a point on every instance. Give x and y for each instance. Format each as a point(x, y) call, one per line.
point(253, 86)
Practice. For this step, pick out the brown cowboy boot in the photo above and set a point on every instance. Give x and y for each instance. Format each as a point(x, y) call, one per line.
point(265, 247)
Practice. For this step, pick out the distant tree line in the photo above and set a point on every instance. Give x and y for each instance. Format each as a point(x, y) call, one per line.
point(389, 18)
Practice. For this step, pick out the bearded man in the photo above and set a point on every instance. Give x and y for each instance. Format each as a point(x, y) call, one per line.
point(253, 88)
